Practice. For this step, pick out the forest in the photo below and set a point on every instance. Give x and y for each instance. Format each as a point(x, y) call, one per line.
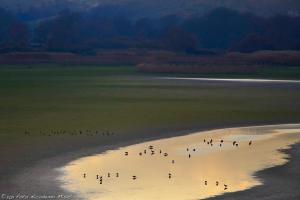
point(85, 32)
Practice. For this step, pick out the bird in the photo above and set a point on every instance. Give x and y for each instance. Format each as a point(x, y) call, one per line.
point(225, 187)
point(204, 140)
point(217, 183)
point(108, 174)
point(205, 182)
point(165, 154)
point(222, 141)
point(145, 151)
point(160, 151)
point(97, 176)
point(250, 143)
point(173, 161)
point(84, 175)
point(150, 147)
point(134, 177)
point(126, 153)
point(117, 174)
point(140, 153)
point(194, 149)
point(187, 149)
point(189, 155)
point(170, 175)
point(234, 142)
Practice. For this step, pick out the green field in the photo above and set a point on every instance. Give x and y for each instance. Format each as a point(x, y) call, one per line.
point(119, 99)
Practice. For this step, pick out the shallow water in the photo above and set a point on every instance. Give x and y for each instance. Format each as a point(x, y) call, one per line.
point(256, 80)
point(224, 163)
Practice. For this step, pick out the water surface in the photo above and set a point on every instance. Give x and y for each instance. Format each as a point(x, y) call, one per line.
point(179, 168)
point(249, 80)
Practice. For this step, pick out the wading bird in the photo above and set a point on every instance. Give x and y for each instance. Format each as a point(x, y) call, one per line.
point(225, 187)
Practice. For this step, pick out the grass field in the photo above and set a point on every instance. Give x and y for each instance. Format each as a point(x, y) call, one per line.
point(119, 99)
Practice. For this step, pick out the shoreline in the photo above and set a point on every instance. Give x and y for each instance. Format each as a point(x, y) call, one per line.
point(279, 182)
point(41, 175)
point(247, 80)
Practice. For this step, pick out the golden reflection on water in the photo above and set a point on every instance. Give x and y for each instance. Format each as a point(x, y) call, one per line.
point(229, 165)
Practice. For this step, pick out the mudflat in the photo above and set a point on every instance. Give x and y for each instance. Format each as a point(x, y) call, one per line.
point(117, 99)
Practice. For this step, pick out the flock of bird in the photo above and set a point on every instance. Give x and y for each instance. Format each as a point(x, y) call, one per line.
point(234, 143)
point(71, 133)
point(150, 150)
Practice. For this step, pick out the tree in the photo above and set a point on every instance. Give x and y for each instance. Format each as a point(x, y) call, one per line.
point(14, 35)
point(178, 39)
point(60, 34)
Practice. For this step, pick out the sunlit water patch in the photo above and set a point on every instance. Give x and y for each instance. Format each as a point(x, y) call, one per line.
point(234, 80)
point(195, 166)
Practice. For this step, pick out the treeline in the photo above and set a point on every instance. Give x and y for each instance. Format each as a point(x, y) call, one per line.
point(14, 34)
point(85, 33)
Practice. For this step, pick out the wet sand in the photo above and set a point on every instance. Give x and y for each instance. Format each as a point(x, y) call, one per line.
point(278, 181)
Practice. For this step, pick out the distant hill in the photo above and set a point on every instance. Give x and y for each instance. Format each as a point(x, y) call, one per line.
point(188, 7)
point(153, 8)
